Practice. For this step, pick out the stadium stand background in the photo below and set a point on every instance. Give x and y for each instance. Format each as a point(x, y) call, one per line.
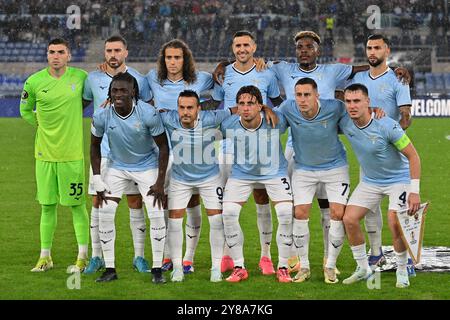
point(418, 31)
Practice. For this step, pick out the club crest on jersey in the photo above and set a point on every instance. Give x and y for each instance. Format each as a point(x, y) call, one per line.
point(383, 87)
point(24, 95)
point(324, 123)
point(73, 86)
point(373, 139)
point(137, 125)
point(256, 82)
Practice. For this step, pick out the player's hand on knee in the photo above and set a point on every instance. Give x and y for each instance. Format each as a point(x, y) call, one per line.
point(157, 191)
point(413, 203)
point(101, 188)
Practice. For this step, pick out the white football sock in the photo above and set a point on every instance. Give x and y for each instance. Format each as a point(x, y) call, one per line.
point(95, 237)
point(336, 238)
point(107, 232)
point(193, 229)
point(216, 239)
point(300, 233)
point(233, 233)
point(325, 223)
point(138, 228)
point(166, 246)
point(175, 240)
point(360, 255)
point(265, 228)
point(284, 232)
point(158, 233)
point(402, 259)
point(374, 226)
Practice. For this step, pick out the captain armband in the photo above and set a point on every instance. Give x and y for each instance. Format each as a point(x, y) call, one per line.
point(401, 143)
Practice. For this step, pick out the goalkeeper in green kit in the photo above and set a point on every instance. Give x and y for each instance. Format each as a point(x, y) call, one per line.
point(56, 93)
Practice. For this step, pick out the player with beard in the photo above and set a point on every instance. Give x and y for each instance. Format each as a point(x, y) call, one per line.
point(389, 94)
point(175, 73)
point(96, 91)
point(243, 73)
point(330, 78)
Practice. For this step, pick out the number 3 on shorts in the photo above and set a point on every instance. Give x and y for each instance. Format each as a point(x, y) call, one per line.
point(288, 186)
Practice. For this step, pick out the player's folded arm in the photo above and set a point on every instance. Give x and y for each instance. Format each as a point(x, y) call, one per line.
point(210, 104)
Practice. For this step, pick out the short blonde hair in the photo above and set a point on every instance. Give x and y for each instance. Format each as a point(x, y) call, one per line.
point(307, 34)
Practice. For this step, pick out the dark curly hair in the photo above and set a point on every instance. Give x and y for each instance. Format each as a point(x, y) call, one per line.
point(189, 74)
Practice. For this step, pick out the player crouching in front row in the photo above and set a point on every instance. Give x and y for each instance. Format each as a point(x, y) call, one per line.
point(192, 134)
point(139, 152)
point(258, 160)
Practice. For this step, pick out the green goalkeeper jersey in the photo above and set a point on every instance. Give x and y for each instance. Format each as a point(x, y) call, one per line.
point(58, 116)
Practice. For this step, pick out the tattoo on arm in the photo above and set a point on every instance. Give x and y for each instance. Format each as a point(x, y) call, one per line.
point(405, 116)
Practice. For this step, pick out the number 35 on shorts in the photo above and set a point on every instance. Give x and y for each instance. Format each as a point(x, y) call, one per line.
point(76, 189)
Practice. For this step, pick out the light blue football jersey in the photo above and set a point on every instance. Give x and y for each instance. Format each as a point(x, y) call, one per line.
point(258, 153)
point(194, 156)
point(385, 91)
point(374, 147)
point(234, 79)
point(328, 77)
point(96, 88)
point(165, 94)
point(130, 138)
point(315, 141)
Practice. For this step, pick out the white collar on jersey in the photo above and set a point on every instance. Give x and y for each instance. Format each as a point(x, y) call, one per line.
point(307, 71)
point(243, 72)
point(175, 81)
point(252, 130)
point(126, 70)
point(128, 115)
point(372, 116)
point(380, 75)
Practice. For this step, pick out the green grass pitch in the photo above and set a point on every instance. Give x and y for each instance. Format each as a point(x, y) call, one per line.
point(19, 234)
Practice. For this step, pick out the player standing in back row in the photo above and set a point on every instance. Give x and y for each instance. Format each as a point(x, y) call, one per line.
point(243, 73)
